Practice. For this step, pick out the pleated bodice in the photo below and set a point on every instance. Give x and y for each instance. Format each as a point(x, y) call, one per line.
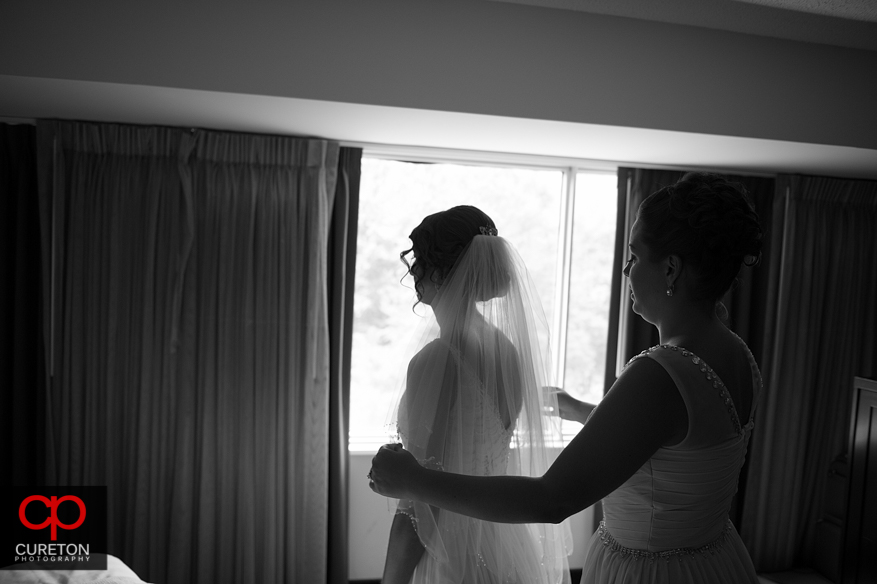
point(680, 498)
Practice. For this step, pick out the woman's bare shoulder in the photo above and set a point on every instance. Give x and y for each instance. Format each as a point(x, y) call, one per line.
point(428, 353)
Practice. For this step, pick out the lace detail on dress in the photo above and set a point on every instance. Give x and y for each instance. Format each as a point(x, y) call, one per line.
point(431, 463)
point(410, 514)
point(711, 375)
point(679, 553)
point(491, 450)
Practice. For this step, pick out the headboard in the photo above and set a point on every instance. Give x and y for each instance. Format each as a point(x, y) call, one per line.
point(859, 563)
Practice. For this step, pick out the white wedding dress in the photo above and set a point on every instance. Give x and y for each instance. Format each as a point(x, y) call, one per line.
point(474, 404)
point(472, 550)
point(669, 523)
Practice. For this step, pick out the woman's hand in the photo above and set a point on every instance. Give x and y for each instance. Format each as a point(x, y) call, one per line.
point(393, 469)
point(569, 407)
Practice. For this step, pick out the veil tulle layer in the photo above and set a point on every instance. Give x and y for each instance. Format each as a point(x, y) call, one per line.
point(474, 403)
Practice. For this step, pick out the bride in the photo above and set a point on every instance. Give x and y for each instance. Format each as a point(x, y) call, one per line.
point(473, 405)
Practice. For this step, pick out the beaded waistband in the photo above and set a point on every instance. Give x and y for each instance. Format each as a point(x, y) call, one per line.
point(613, 545)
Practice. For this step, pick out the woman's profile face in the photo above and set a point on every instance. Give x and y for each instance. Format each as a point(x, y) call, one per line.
point(646, 279)
point(424, 285)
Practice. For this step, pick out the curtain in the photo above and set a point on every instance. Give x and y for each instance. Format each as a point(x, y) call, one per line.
point(629, 334)
point(820, 331)
point(22, 399)
point(342, 256)
point(188, 342)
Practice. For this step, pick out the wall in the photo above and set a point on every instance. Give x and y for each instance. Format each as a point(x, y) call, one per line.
point(459, 56)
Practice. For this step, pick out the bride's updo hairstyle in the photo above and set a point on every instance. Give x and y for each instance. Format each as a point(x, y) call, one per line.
point(440, 240)
point(707, 221)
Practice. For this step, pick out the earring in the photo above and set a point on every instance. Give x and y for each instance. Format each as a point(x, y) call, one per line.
point(670, 290)
point(437, 286)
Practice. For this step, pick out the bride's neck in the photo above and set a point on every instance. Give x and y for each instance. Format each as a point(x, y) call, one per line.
point(448, 319)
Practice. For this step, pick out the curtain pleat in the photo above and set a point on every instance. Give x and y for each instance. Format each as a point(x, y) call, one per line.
point(746, 302)
point(190, 343)
point(22, 400)
point(635, 334)
point(820, 332)
point(342, 264)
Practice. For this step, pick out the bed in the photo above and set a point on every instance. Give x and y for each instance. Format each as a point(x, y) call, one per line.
point(117, 572)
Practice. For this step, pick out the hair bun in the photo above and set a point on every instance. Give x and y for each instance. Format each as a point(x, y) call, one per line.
point(708, 221)
point(491, 270)
point(441, 238)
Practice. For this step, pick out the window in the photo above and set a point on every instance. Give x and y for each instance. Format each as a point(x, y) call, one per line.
point(593, 242)
point(529, 207)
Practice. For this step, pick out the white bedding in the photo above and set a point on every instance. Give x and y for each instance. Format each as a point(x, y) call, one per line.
point(117, 572)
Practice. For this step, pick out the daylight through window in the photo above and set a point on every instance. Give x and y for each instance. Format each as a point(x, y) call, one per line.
point(529, 207)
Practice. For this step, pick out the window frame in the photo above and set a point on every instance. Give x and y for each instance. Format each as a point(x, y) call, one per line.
point(569, 167)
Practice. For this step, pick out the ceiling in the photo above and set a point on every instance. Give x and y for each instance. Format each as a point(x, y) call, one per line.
point(852, 9)
point(843, 23)
point(537, 142)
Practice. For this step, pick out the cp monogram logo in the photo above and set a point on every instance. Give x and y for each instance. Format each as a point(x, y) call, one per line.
point(52, 505)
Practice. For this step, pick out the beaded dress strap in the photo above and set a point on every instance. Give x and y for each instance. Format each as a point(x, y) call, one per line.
point(757, 381)
point(711, 376)
point(679, 553)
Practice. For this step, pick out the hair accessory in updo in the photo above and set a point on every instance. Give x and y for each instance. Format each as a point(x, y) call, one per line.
point(488, 230)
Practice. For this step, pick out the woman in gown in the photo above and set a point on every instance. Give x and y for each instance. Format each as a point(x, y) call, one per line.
point(473, 405)
point(665, 446)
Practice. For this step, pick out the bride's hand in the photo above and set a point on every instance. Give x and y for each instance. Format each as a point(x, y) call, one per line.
point(569, 407)
point(391, 472)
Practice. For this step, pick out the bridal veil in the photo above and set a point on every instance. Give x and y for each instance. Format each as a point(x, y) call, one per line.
point(474, 403)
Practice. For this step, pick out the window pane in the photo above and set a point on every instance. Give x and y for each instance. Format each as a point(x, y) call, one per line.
point(394, 198)
point(592, 257)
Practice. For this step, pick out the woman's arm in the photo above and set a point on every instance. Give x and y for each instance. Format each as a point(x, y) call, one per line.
point(403, 551)
point(641, 413)
point(426, 413)
point(570, 408)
